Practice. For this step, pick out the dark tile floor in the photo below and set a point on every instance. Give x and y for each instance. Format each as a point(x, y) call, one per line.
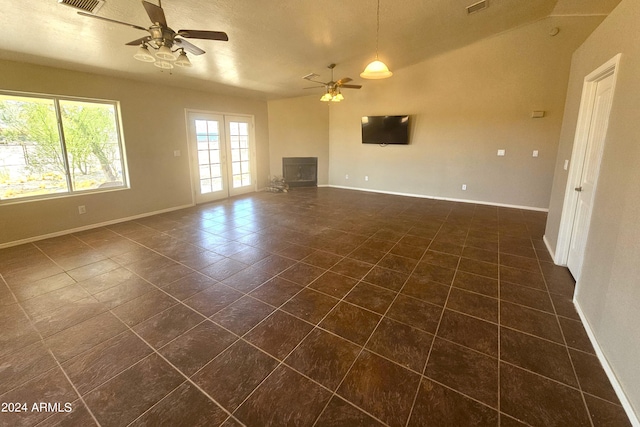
point(320, 307)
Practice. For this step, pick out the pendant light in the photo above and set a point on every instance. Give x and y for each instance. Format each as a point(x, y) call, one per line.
point(376, 69)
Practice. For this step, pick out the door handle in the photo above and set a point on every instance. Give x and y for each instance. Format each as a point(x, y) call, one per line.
point(578, 189)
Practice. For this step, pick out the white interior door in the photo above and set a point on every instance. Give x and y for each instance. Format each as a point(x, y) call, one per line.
point(589, 177)
point(222, 155)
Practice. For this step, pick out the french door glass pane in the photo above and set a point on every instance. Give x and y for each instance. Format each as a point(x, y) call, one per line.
point(209, 157)
point(239, 137)
point(205, 186)
point(216, 184)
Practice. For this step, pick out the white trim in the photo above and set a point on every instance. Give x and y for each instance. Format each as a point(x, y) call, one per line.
point(546, 243)
point(90, 226)
point(624, 401)
point(449, 199)
point(578, 153)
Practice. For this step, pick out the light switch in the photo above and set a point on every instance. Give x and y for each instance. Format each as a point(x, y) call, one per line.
point(501, 153)
point(535, 153)
point(566, 164)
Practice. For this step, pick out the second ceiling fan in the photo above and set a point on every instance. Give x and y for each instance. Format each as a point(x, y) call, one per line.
point(332, 87)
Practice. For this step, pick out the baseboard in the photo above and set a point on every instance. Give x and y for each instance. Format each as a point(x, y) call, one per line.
point(448, 199)
point(89, 227)
point(633, 417)
point(548, 246)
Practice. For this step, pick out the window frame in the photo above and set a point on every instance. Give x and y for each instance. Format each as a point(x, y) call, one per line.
point(71, 192)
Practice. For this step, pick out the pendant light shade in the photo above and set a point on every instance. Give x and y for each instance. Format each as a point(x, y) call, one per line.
point(326, 97)
point(182, 60)
point(165, 53)
point(376, 69)
point(165, 65)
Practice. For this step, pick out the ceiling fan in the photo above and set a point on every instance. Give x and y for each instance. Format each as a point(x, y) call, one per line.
point(162, 39)
point(332, 87)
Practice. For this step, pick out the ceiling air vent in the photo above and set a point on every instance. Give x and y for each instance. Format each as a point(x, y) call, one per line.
point(477, 7)
point(91, 6)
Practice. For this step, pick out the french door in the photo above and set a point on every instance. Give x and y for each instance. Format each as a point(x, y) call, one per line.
point(222, 155)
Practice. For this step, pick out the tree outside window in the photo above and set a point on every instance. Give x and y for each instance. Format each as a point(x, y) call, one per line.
point(50, 146)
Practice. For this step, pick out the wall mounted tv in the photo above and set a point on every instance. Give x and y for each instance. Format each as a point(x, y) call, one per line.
point(385, 130)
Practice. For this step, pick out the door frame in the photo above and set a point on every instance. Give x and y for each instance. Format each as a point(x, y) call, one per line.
point(252, 143)
point(569, 207)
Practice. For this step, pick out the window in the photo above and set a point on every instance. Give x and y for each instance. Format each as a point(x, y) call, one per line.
point(52, 146)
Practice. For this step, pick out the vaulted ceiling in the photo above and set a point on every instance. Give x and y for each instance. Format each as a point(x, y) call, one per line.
point(272, 44)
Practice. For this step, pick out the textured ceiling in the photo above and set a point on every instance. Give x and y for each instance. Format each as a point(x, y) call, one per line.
point(272, 44)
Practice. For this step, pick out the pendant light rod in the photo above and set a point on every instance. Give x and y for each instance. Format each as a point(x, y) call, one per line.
point(377, 29)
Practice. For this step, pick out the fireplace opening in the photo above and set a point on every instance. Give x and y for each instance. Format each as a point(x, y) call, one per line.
point(300, 171)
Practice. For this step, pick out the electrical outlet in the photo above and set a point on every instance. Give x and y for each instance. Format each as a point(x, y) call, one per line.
point(535, 153)
point(176, 153)
point(346, 176)
point(82, 209)
point(464, 187)
point(366, 177)
point(501, 152)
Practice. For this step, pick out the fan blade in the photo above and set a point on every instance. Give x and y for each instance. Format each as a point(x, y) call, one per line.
point(139, 41)
point(156, 14)
point(203, 34)
point(313, 87)
point(343, 81)
point(112, 20)
point(188, 46)
point(351, 86)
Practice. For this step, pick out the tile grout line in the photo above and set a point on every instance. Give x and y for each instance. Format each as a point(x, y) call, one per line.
point(499, 326)
point(134, 332)
point(567, 348)
point(59, 366)
point(435, 333)
point(382, 317)
point(314, 326)
point(342, 300)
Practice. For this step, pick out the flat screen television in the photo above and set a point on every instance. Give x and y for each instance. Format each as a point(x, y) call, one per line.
point(385, 130)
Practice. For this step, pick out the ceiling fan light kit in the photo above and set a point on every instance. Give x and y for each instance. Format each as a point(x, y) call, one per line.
point(332, 88)
point(376, 69)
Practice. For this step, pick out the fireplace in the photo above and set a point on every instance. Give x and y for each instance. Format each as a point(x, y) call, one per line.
point(300, 171)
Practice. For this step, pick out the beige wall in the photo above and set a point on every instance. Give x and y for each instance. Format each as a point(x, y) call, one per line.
point(299, 127)
point(609, 289)
point(466, 105)
point(153, 120)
